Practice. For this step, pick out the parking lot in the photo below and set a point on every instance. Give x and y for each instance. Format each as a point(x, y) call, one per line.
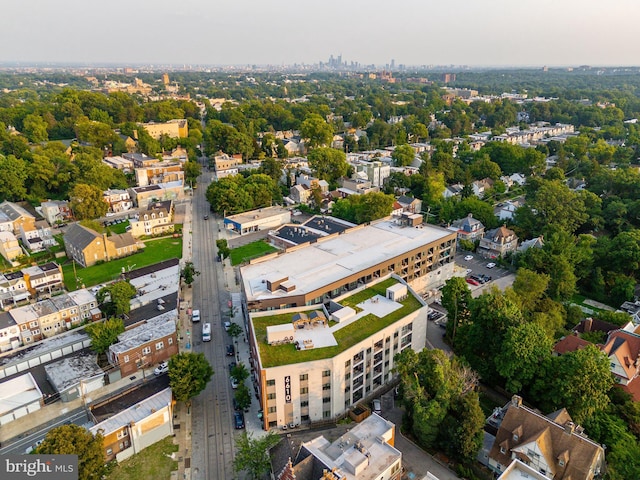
point(477, 267)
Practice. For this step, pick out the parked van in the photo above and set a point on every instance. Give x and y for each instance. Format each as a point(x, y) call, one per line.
point(195, 316)
point(206, 332)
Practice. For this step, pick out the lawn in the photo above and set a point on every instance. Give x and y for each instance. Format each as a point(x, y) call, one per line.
point(155, 251)
point(152, 463)
point(251, 250)
point(119, 227)
point(274, 355)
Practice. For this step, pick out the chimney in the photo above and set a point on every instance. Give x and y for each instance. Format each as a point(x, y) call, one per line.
point(569, 427)
point(516, 401)
point(588, 324)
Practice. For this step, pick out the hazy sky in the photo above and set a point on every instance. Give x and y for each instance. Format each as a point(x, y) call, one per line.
point(413, 32)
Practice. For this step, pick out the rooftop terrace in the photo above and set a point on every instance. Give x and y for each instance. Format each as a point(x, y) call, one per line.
point(373, 312)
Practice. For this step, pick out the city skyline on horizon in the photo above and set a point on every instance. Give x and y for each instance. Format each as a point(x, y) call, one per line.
point(278, 33)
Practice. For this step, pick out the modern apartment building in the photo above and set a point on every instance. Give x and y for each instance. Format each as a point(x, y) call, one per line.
point(312, 364)
point(423, 256)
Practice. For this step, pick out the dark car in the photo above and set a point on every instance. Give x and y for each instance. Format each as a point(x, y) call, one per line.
point(232, 365)
point(477, 278)
point(486, 278)
point(206, 217)
point(231, 351)
point(238, 420)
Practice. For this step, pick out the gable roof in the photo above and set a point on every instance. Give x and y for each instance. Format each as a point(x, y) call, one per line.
point(13, 211)
point(554, 440)
point(121, 240)
point(625, 347)
point(500, 233)
point(79, 236)
point(570, 343)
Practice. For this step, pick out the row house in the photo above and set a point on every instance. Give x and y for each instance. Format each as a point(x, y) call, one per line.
point(145, 345)
point(47, 318)
point(155, 220)
point(12, 216)
point(37, 237)
point(119, 163)
point(56, 211)
point(13, 289)
point(118, 200)
point(9, 247)
point(44, 279)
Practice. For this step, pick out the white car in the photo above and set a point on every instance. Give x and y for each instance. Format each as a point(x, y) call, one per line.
point(234, 383)
point(377, 406)
point(226, 326)
point(468, 257)
point(491, 265)
point(162, 368)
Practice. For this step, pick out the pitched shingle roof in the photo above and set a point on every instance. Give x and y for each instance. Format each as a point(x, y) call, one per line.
point(79, 236)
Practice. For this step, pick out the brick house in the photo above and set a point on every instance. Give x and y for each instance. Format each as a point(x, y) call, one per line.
point(88, 247)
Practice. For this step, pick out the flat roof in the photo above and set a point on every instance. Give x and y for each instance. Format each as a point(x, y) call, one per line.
point(136, 413)
point(363, 444)
point(312, 267)
point(156, 328)
point(18, 392)
point(317, 339)
point(70, 370)
point(258, 214)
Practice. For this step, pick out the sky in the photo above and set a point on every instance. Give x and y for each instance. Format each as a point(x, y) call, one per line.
point(276, 32)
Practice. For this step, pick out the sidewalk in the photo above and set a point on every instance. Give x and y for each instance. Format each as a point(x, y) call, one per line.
point(181, 415)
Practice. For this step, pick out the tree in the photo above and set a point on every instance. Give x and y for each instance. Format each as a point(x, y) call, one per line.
point(272, 167)
point(252, 454)
point(104, 334)
point(403, 155)
point(120, 294)
point(223, 249)
point(192, 171)
point(364, 208)
point(87, 201)
point(13, 174)
point(35, 128)
point(456, 298)
point(524, 348)
point(189, 272)
point(242, 396)
point(235, 330)
point(316, 131)
point(76, 440)
point(328, 163)
point(189, 374)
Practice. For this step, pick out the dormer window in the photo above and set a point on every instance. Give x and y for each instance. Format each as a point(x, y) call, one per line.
point(561, 462)
point(503, 450)
point(515, 437)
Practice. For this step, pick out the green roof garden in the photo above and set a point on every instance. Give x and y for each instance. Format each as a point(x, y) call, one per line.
point(347, 336)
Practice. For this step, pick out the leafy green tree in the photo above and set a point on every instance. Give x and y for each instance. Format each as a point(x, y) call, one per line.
point(87, 201)
point(328, 163)
point(35, 128)
point(485, 168)
point(192, 171)
point(460, 434)
point(235, 330)
point(13, 174)
point(272, 167)
point(252, 454)
point(403, 155)
point(364, 208)
point(456, 298)
point(524, 348)
point(242, 396)
point(316, 131)
point(104, 334)
point(240, 373)
point(223, 249)
point(189, 273)
point(76, 440)
point(189, 374)
point(120, 295)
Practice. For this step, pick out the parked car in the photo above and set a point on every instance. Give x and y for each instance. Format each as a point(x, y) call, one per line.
point(195, 316)
point(486, 278)
point(377, 406)
point(226, 326)
point(238, 420)
point(471, 281)
point(162, 368)
point(234, 383)
point(236, 407)
point(491, 265)
point(468, 257)
point(232, 365)
point(469, 271)
point(231, 351)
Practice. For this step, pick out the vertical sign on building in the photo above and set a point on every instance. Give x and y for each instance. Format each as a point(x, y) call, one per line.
point(287, 389)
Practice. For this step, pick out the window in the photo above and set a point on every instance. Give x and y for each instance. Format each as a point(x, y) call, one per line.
point(304, 418)
point(272, 410)
point(170, 340)
point(304, 377)
point(271, 396)
point(326, 386)
point(271, 383)
point(561, 462)
point(515, 437)
point(159, 345)
point(304, 403)
point(326, 373)
point(146, 350)
point(347, 364)
point(122, 433)
point(126, 359)
point(109, 451)
point(326, 414)
point(304, 390)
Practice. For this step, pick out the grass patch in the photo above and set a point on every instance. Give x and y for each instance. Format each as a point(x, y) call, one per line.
point(275, 355)
point(155, 251)
point(578, 299)
point(251, 250)
point(152, 463)
point(119, 227)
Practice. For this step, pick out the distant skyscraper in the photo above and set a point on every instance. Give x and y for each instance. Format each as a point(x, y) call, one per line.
point(393, 63)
